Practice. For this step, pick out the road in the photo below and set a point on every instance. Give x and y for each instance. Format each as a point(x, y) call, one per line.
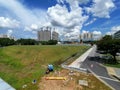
point(99, 71)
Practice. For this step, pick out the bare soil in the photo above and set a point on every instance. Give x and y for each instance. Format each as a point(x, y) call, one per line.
point(71, 82)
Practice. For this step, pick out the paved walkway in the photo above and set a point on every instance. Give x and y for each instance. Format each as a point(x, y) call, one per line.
point(88, 61)
point(114, 72)
point(79, 60)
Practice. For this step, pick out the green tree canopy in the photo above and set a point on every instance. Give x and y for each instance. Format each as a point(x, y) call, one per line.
point(109, 45)
point(50, 42)
point(26, 42)
point(6, 42)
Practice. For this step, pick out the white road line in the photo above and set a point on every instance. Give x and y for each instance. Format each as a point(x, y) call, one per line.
point(108, 78)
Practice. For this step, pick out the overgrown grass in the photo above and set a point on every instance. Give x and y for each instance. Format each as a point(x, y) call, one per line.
point(19, 65)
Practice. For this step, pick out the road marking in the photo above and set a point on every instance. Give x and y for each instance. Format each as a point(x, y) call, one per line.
point(108, 78)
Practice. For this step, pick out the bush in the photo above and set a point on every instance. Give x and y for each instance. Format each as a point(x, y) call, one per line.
point(50, 42)
point(26, 42)
point(6, 42)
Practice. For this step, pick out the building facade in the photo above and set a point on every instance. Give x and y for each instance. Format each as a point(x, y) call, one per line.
point(117, 35)
point(86, 36)
point(55, 36)
point(3, 36)
point(46, 34)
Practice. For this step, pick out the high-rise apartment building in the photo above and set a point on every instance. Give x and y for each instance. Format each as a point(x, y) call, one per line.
point(55, 36)
point(46, 35)
point(3, 36)
point(86, 36)
point(117, 35)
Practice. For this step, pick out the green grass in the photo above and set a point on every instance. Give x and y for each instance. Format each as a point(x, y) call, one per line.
point(19, 65)
point(113, 65)
point(110, 64)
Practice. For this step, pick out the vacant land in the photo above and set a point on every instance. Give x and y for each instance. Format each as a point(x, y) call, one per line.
point(20, 65)
point(71, 82)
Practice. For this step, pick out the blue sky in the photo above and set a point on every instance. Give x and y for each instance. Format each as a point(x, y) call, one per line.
point(23, 18)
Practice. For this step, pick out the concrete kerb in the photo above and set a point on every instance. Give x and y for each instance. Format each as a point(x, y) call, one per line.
point(83, 56)
point(101, 79)
point(74, 69)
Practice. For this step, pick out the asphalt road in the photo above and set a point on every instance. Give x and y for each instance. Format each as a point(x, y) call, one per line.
point(99, 71)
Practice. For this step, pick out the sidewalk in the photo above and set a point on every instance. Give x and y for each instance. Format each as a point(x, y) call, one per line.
point(79, 60)
point(114, 72)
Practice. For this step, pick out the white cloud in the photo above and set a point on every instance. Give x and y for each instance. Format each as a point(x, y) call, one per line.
point(34, 27)
point(9, 32)
point(97, 33)
point(108, 33)
point(26, 28)
point(101, 8)
point(94, 32)
point(8, 23)
point(115, 28)
point(61, 1)
point(68, 22)
point(72, 1)
point(71, 21)
point(26, 16)
point(74, 4)
point(85, 31)
point(90, 22)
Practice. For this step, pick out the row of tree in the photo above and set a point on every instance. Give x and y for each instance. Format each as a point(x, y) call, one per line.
point(8, 42)
point(50, 42)
point(109, 45)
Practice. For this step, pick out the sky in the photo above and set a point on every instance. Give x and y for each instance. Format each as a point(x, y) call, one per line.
point(70, 18)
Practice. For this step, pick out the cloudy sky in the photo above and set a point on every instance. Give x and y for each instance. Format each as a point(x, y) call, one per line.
point(22, 18)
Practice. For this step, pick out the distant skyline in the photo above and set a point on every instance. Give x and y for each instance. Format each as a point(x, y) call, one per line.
point(23, 18)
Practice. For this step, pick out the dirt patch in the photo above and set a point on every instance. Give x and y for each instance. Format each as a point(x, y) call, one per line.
point(68, 84)
point(71, 82)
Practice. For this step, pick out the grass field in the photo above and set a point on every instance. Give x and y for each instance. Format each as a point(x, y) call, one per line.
point(19, 65)
point(113, 65)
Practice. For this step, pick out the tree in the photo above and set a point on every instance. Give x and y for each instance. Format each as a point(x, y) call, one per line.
point(50, 42)
point(107, 37)
point(26, 42)
point(109, 45)
point(6, 42)
point(44, 42)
